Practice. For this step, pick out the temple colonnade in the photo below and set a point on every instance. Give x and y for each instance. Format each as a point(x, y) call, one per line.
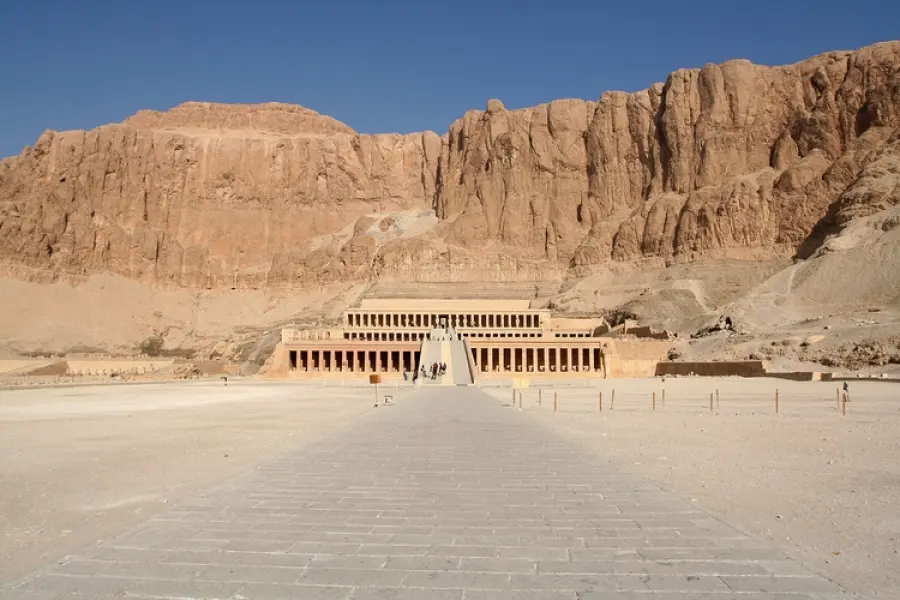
point(533, 357)
point(458, 320)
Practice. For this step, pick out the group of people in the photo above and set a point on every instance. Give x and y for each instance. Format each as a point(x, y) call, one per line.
point(435, 371)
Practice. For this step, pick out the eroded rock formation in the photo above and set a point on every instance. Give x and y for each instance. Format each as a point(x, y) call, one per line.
point(732, 160)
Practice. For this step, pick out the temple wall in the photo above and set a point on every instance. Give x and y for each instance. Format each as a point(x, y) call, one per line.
point(742, 368)
point(108, 367)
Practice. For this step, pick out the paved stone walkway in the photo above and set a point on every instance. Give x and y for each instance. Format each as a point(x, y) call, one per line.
point(446, 495)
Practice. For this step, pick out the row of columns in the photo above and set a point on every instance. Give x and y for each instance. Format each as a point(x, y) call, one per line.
point(353, 361)
point(538, 359)
point(386, 336)
point(456, 320)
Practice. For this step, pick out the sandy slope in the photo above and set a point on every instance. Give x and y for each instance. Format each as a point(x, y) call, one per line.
point(114, 314)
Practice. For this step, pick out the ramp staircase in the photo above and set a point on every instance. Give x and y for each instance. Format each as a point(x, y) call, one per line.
point(445, 346)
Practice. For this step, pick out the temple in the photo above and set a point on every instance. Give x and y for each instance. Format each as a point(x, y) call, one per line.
point(503, 337)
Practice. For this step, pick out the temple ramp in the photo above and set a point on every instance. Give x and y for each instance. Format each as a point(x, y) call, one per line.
point(445, 346)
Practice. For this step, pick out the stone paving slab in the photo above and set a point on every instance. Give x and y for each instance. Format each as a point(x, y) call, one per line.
point(446, 495)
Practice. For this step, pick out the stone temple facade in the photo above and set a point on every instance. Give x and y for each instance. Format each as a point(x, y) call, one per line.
point(506, 338)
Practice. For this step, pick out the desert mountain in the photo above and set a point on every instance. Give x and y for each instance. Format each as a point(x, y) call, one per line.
point(730, 162)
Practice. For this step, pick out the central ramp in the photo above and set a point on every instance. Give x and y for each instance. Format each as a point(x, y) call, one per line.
point(446, 347)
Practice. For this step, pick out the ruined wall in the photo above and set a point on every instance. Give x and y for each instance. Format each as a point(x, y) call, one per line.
point(741, 368)
point(638, 358)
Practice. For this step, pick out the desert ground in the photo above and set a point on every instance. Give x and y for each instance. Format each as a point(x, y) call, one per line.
point(80, 464)
point(89, 462)
point(823, 487)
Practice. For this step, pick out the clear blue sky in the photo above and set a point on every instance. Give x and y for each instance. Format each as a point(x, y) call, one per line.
point(379, 65)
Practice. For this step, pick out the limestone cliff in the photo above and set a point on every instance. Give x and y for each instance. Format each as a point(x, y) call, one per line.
point(734, 160)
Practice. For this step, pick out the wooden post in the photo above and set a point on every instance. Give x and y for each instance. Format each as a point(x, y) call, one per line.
point(664, 397)
point(540, 396)
point(710, 403)
point(600, 403)
point(654, 400)
point(520, 399)
point(776, 402)
point(717, 398)
point(374, 379)
point(555, 401)
point(844, 406)
point(612, 402)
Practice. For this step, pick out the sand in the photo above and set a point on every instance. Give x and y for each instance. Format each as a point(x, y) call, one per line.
point(824, 488)
point(89, 462)
point(81, 464)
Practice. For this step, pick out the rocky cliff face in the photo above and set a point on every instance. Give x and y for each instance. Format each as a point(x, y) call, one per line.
point(731, 160)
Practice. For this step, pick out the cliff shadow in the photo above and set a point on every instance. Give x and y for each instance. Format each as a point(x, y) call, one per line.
point(826, 227)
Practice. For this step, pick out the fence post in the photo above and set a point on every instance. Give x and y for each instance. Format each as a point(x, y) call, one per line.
point(540, 396)
point(600, 403)
point(717, 398)
point(664, 397)
point(555, 401)
point(612, 403)
point(654, 400)
point(844, 406)
point(776, 402)
point(710, 402)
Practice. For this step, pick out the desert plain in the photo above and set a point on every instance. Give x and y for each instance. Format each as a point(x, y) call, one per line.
point(84, 464)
